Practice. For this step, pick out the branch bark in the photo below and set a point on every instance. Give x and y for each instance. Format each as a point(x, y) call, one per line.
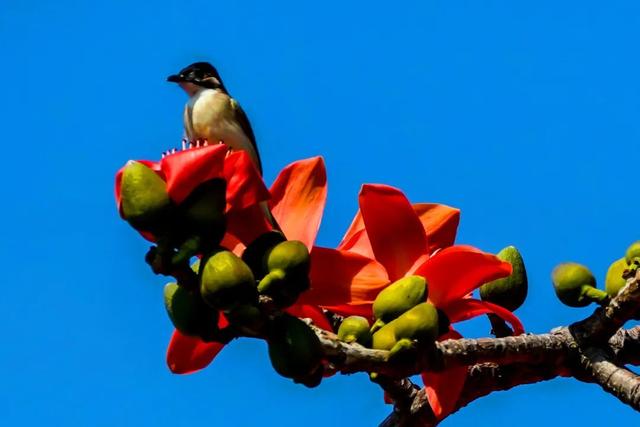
point(590, 350)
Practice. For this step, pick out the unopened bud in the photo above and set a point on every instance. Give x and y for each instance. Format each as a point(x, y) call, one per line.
point(508, 292)
point(355, 329)
point(144, 198)
point(575, 285)
point(633, 252)
point(227, 282)
point(399, 297)
point(614, 280)
point(188, 312)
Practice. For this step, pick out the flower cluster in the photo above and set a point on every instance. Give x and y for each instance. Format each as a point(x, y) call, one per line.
point(396, 274)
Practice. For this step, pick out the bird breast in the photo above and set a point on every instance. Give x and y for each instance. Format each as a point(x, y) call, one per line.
point(209, 115)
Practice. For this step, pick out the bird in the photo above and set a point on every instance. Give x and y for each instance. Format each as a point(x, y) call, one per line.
point(211, 115)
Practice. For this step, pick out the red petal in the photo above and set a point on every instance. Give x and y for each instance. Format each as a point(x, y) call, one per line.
point(356, 239)
point(456, 271)
point(298, 197)
point(467, 308)
point(395, 232)
point(440, 222)
point(244, 182)
point(312, 312)
point(185, 170)
point(190, 354)
point(344, 282)
point(387, 399)
point(357, 242)
point(233, 244)
point(187, 354)
point(247, 224)
point(444, 388)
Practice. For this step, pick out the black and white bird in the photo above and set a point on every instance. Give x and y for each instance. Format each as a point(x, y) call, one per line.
point(211, 114)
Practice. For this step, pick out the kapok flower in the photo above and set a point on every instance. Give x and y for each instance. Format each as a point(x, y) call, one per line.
point(390, 239)
point(297, 199)
point(185, 170)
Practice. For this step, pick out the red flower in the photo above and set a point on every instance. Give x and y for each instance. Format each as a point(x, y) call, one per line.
point(185, 170)
point(390, 239)
point(297, 201)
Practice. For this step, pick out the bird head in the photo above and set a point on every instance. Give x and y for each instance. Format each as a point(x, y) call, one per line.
point(197, 76)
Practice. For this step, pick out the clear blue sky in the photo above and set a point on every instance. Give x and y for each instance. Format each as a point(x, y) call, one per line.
point(526, 115)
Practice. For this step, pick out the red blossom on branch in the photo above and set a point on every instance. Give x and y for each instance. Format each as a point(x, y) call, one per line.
point(297, 200)
point(389, 239)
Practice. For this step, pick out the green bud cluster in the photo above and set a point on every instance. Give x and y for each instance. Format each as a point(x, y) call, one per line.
point(220, 281)
point(508, 292)
point(183, 230)
point(402, 318)
point(575, 285)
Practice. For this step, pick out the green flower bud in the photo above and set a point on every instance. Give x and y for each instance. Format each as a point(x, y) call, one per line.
point(246, 317)
point(145, 203)
point(575, 285)
point(188, 313)
point(288, 264)
point(204, 211)
point(291, 256)
point(508, 292)
point(255, 255)
point(633, 252)
point(420, 323)
point(227, 282)
point(397, 298)
point(385, 338)
point(294, 349)
point(614, 280)
point(355, 329)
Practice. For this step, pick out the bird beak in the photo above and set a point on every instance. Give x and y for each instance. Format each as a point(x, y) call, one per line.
point(175, 78)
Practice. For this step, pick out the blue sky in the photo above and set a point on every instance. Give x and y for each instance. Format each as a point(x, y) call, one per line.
point(524, 115)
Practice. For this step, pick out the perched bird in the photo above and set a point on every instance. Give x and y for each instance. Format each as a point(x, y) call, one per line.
point(211, 114)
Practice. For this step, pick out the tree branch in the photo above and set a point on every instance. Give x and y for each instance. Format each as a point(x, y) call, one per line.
point(588, 350)
point(614, 379)
point(594, 363)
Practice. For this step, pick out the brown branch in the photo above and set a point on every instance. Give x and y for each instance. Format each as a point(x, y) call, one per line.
point(533, 349)
point(625, 346)
point(486, 378)
point(482, 379)
point(401, 391)
point(576, 342)
point(502, 363)
point(614, 379)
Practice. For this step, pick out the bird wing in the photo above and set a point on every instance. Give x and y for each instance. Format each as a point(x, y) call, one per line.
point(242, 119)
